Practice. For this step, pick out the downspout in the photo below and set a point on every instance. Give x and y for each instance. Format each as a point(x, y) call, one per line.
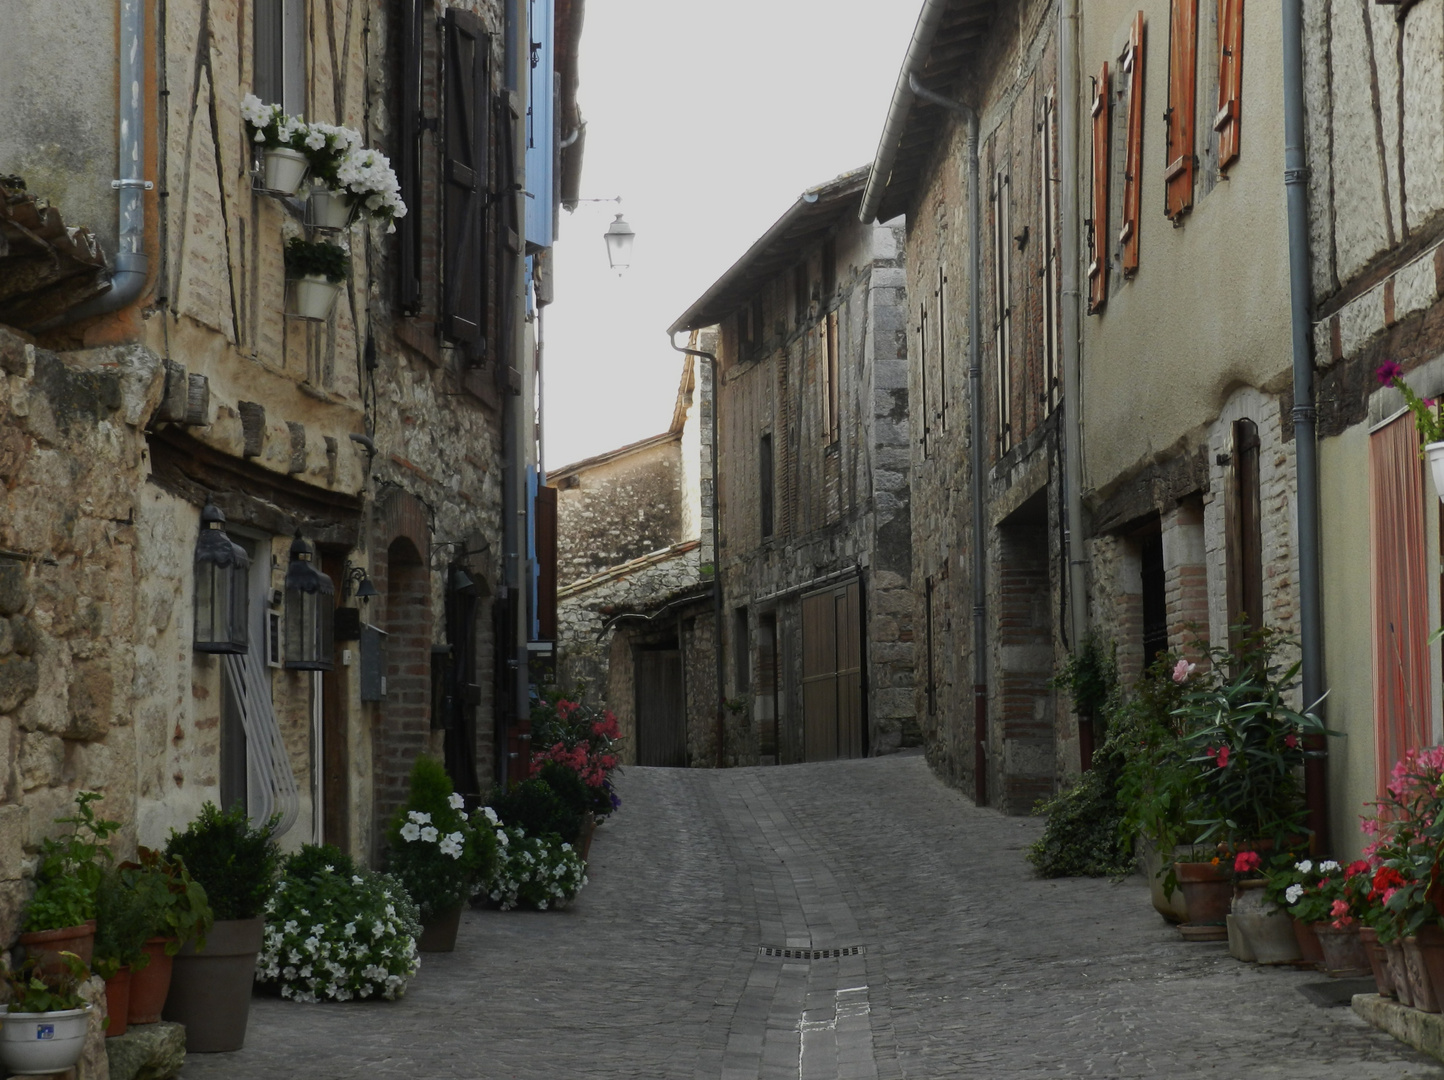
point(711, 359)
point(1069, 256)
point(975, 419)
point(1305, 414)
point(132, 266)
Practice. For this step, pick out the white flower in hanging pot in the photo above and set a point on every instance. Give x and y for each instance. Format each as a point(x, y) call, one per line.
point(315, 271)
point(282, 139)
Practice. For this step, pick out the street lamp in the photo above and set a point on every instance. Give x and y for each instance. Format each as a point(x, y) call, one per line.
point(310, 615)
point(221, 607)
point(619, 237)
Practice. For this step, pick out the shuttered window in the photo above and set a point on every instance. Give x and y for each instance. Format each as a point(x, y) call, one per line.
point(1003, 307)
point(765, 483)
point(408, 229)
point(1098, 231)
point(1230, 79)
point(1048, 201)
point(1182, 89)
point(831, 421)
point(940, 332)
point(923, 370)
point(1133, 159)
point(1402, 698)
point(464, 174)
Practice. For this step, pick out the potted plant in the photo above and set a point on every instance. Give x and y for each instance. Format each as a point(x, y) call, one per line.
point(176, 912)
point(543, 872)
point(315, 270)
point(370, 185)
point(330, 206)
point(438, 854)
point(580, 756)
point(236, 863)
point(61, 916)
point(122, 924)
point(42, 1029)
point(338, 932)
point(282, 139)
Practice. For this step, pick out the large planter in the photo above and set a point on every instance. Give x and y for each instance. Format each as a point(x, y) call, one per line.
point(33, 1044)
point(1207, 889)
point(1378, 960)
point(1399, 971)
point(1310, 950)
point(438, 933)
point(1238, 946)
point(1423, 989)
point(311, 297)
point(283, 169)
point(1267, 929)
point(150, 985)
point(1170, 907)
point(117, 1003)
point(1344, 954)
point(332, 210)
point(1431, 949)
point(210, 991)
point(47, 945)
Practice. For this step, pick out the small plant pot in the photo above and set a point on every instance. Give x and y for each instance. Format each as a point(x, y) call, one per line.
point(117, 1003)
point(283, 169)
point(1207, 890)
point(331, 210)
point(47, 945)
point(33, 1044)
point(149, 985)
point(438, 933)
point(311, 297)
point(1378, 960)
point(1344, 954)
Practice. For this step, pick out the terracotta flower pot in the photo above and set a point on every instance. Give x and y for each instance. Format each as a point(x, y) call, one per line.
point(1378, 960)
point(1207, 889)
point(47, 945)
point(438, 933)
point(149, 985)
point(210, 991)
point(117, 1002)
point(1399, 971)
point(1309, 947)
point(1344, 953)
point(1424, 999)
point(1170, 907)
point(1431, 949)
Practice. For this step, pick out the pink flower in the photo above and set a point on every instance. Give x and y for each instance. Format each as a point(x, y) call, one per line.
point(1341, 907)
point(1182, 670)
point(1291, 741)
point(1222, 757)
point(1246, 861)
point(1388, 371)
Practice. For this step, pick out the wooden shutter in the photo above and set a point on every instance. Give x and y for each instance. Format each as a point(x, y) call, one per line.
point(765, 484)
point(546, 555)
point(1182, 87)
point(1243, 531)
point(1003, 306)
point(467, 81)
point(1230, 79)
point(408, 229)
point(1048, 198)
point(1098, 233)
point(923, 369)
point(1133, 159)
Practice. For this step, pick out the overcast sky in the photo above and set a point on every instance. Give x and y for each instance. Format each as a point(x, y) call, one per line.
point(709, 119)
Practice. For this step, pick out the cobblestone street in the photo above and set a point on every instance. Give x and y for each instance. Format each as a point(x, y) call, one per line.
point(954, 960)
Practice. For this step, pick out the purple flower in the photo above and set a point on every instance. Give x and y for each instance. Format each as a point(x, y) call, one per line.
point(1388, 371)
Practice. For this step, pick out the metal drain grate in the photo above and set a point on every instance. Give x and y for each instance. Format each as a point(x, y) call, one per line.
point(809, 954)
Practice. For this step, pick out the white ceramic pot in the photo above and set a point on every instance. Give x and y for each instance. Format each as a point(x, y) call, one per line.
point(284, 169)
point(311, 297)
point(331, 209)
point(1434, 451)
point(33, 1044)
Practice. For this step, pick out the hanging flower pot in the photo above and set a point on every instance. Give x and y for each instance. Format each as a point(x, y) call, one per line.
point(316, 269)
point(330, 209)
point(283, 169)
point(311, 297)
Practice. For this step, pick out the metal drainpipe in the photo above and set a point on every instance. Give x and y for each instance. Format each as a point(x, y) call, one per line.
point(1069, 256)
point(1305, 414)
point(711, 359)
point(975, 418)
point(132, 266)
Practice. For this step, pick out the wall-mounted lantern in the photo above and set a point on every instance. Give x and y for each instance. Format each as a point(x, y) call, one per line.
point(619, 237)
point(222, 608)
point(310, 622)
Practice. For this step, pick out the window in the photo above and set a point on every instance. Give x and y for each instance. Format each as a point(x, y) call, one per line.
point(941, 336)
point(1047, 197)
point(280, 52)
point(1230, 80)
point(764, 484)
point(741, 653)
point(465, 175)
point(831, 420)
point(1002, 307)
point(1182, 88)
point(749, 330)
point(1131, 69)
point(1243, 531)
point(1098, 226)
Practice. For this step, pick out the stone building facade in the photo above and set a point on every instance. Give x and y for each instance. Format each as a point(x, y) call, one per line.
point(386, 435)
point(634, 595)
point(815, 539)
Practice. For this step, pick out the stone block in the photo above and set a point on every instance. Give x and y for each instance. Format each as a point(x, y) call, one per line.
point(14, 826)
point(13, 591)
point(147, 1052)
point(17, 356)
point(93, 1064)
point(7, 638)
point(92, 698)
point(14, 895)
point(19, 679)
point(42, 758)
point(1423, 1031)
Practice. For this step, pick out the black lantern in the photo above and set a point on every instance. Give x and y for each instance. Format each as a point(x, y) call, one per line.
point(310, 612)
point(222, 608)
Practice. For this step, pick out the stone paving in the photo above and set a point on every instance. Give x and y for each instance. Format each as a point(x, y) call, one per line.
point(845, 920)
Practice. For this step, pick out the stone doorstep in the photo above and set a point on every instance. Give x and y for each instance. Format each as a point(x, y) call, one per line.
point(1421, 1030)
point(147, 1052)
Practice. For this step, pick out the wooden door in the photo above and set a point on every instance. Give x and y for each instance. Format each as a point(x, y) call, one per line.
point(832, 712)
point(661, 720)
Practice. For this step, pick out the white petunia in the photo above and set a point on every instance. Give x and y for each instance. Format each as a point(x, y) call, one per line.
point(456, 802)
point(410, 831)
point(1328, 866)
point(491, 815)
point(429, 834)
point(1293, 892)
point(1304, 867)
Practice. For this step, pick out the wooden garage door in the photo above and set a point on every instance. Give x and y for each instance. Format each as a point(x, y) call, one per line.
point(661, 722)
point(832, 673)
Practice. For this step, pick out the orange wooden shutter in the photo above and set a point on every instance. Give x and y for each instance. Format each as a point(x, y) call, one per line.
point(1098, 234)
point(1182, 84)
point(1133, 162)
point(1230, 79)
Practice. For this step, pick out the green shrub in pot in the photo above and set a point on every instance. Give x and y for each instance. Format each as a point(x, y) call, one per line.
point(317, 258)
point(435, 850)
point(235, 862)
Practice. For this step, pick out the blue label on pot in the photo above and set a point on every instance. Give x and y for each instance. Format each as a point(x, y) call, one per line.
point(45, 1031)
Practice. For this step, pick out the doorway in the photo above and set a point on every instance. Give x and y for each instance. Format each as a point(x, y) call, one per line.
point(661, 718)
point(832, 715)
